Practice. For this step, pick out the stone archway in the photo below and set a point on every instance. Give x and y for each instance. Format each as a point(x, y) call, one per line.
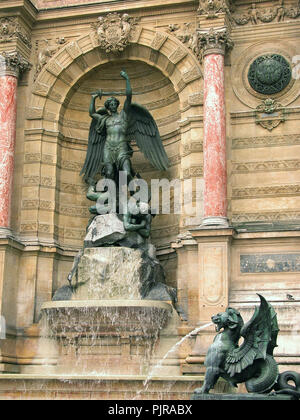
point(78, 57)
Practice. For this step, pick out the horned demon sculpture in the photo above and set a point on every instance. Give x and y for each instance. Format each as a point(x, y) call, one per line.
point(252, 362)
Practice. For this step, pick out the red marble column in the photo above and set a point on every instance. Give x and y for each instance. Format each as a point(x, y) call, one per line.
point(213, 44)
point(10, 66)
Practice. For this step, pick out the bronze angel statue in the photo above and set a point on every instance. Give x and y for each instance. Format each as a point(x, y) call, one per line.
point(111, 133)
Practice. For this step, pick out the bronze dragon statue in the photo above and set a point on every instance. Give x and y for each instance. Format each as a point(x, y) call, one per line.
point(252, 362)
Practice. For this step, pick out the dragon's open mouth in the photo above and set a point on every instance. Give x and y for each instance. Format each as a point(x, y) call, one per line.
point(217, 321)
point(218, 327)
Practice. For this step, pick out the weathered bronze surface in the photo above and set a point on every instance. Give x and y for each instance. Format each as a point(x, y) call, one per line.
point(111, 132)
point(269, 74)
point(252, 362)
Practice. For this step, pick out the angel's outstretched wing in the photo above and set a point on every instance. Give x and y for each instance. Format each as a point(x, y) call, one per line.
point(259, 339)
point(94, 154)
point(143, 129)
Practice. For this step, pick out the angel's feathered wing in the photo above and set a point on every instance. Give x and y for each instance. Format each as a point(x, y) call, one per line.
point(259, 334)
point(94, 154)
point(143, 129)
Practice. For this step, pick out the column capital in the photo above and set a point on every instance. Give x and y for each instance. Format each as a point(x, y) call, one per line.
point(214, 41)
point(12, 63)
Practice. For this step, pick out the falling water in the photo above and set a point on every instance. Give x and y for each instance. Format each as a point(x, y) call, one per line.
point(160, 363)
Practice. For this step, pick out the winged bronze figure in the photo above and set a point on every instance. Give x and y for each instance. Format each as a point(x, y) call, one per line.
point(109, 150)
point(252, 362)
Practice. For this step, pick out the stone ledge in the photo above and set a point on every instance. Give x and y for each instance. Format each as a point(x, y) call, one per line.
point(240, 397)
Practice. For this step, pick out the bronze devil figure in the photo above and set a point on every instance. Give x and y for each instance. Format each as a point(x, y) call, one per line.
point(252, 362)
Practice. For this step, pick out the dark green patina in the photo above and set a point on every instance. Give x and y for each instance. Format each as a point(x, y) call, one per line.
point(269, 74)
point(252, 362)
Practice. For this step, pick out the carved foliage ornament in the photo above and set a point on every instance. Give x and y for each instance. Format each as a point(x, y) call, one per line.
point(214, 39)
point(114, 31)
point(13, 63)
point(10, 30)
point(269, 74)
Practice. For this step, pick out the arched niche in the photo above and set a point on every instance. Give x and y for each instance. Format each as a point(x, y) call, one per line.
point(165, 73)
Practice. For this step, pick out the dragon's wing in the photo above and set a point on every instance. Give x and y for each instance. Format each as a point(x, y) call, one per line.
point(259, 335)
point(94, 154)
point(143, 129)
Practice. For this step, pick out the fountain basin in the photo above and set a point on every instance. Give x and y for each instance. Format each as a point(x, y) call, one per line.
point(100, 316)
point(107, 336)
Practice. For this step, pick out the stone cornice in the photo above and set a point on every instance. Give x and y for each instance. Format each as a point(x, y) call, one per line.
point(12, 63)
point(24, 8)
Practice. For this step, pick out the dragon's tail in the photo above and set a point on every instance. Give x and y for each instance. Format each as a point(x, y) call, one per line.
point(267, 376)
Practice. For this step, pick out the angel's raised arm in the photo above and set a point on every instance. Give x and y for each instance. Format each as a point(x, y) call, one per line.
point(92, 109)
point(127, 102)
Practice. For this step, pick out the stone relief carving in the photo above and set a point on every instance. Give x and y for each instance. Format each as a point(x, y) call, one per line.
point(266, 191)
point(266, 166)
point(114, 31)
point(266, 141)
point(187, 34)
point(10, 30)
point(269, 114)
point(255, 15)
point(46, 48)
point(211, 8)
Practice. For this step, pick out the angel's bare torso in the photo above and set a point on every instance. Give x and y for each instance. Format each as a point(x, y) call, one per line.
point(116, 126)
point(117, 151)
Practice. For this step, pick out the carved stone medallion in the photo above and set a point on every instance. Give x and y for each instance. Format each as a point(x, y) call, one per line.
point(269, 74)
point(114, 31)
point(269, 114)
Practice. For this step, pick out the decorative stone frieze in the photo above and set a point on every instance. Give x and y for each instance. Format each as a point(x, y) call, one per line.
point(10, 30)
point(257, 15)
point(13, 64)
